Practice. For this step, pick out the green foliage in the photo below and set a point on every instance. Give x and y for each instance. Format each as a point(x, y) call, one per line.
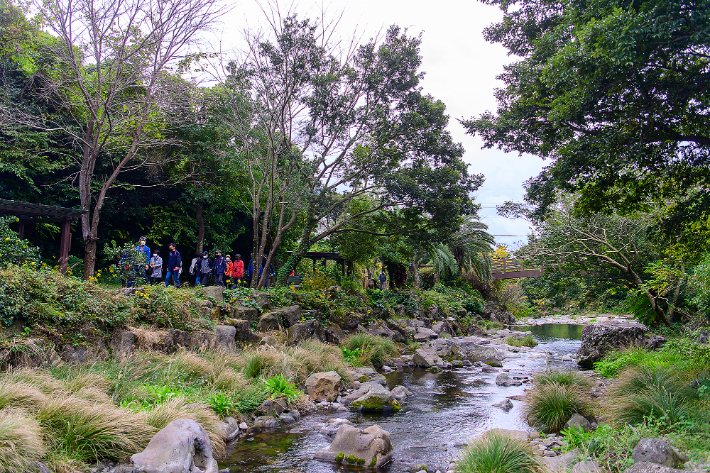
point(166, 307)
point(564, 378)
point(549, 406)
point(354, 460)
point(352, 356)
point(13, 250)
point(372, 348)
point(683, 353)
point(526, 341)
point(339, 457)
point(222, 404)
point(701, 283)
point(498, 453)
point(278, 386)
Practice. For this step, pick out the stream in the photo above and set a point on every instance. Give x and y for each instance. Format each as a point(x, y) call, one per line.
point(446, 410)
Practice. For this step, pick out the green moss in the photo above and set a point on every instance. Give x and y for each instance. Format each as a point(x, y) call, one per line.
point(353, 460)
point(339, 457)
point(373, 462)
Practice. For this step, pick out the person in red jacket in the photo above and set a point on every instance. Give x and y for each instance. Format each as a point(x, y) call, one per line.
point(238, 269)
point(230, 271)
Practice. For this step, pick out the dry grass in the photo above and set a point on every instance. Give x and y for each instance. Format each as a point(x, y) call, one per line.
point(20, 394)
point(38, 378)
point(180, 408)
point(20, 441)
point(148, 339)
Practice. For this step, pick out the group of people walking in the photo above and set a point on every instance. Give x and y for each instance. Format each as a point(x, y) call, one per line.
point(223, 270)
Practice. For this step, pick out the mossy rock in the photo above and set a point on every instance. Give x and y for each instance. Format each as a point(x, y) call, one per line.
point(339, 457)
point(353, 460)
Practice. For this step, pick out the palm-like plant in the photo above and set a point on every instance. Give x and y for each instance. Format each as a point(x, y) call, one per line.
point(472, 248)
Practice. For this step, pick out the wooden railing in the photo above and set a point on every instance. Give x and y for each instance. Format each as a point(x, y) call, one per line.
point(511, 268)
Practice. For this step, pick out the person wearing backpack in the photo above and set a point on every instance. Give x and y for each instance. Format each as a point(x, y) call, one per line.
point(194, 271)
point(173, 267)
point(205, 267)
point(238, 270)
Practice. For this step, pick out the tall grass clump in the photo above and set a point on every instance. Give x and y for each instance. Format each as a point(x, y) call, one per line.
point(549, 406)
point(91, 431)
point(20, 441)
point(498, 453)
point(646, 392)
point(373, 348)
point(562, 377)
point(526, 341)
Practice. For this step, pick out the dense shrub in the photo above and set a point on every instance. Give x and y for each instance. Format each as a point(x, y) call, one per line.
point(549, 406)
point(562, 377)
point(372, 348)
point(13, 250)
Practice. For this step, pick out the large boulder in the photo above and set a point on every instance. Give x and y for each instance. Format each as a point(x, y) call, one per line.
point(281, 317)
point(600, 338)
point(268, 322)
point(261, 299)
point(181, 447)
point(443, 327)
point(648, 467)
point(505, 318)
point(215, 292)
point(504, 379)
point(243, 330)
point(245, 313)
point(424, 335)
point(224, 338)
point(332, 333)
point(580, 422)
point(658, 451)
point(472, 349)
point(323, 386)
point(371, 447)
point(310, 329)
point(383, 330)
point(372, 397)
point(426, 357)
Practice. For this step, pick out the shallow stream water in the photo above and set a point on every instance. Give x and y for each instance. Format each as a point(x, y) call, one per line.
point(446, 410)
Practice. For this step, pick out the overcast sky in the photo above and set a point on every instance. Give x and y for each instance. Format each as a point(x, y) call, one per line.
point(461, 69)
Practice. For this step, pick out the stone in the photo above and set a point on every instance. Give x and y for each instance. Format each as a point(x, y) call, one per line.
point(308, 330)
point(443, 327)
point(599, 338)
point(658, 451)
point(426, 357)
point(372, 397)
point(243, 330)
point(224, 338)
point(648, 467)
point(215, 292)
point(323, 386)
point(265, 423)
point(201, 341)
point(122, 343)
point(561, 463)
point(588, 466)
point(400, 393)
point(504, 379)
point(579, 421)
point(372, 444)
point(505, 318)
point(183, 446)
point(272, 407)
point(261, 299)
point(514, 434)
point(268, 322)
point(332, 425)
point(654, 342)
point(472, 349)
point(230, 428)
point(246, 313)
point(505, 404)
point(332, 333)
point(424, 335)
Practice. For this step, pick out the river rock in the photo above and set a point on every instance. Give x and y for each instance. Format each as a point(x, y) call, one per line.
point(182, 446)
point(505, 404)
point(332, 425)
point(245, 313)
point(215, 292)
point(372, 397)
point(400, 393)
point(443, 327)
point(230, 428)
point(658, 451)
point(372, 444)
point(579, 421)
point(243, 329)
point(504, 379)
point(588, 466)
point(648, 467)
point(505, 318)
point(424, 335)
point(561, 463)
point(381, 329)
point(323, 386)
point(280, 317)
point(268, 322)
point(426, 357)
point(122, 343)
point(598, 339)
point(473, 349)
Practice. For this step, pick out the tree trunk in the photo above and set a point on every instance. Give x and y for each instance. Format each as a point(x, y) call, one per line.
point(415, 274)
point(199, 247)
point(89, 257)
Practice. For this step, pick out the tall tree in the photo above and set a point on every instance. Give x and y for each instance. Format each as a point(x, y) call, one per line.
point(615, 93)
point(112, 76)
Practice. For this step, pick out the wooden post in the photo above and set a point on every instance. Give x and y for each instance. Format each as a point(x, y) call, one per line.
point(21, 230)
point(65, 246)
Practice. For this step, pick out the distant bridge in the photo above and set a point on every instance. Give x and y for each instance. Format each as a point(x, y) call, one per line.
point(511, 268)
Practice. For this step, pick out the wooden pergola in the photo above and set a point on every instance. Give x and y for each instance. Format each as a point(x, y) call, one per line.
point(28, 212)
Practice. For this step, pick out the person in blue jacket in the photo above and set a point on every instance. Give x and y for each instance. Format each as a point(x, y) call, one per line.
point(173, 267)
point(142, 266)
point(219, 267)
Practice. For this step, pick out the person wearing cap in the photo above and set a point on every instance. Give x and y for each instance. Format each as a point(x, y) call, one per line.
point(174, 266)
point(238, 269)
point(204, 268)
point(142, 262)
point(219, 267)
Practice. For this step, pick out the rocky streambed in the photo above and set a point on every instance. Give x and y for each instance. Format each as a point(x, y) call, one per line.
point(445, 410)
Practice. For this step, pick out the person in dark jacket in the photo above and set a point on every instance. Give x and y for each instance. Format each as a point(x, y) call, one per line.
point(219, 267)
point(142, 262)
point(383, 280)
point(173, 267)
point(204, 267)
